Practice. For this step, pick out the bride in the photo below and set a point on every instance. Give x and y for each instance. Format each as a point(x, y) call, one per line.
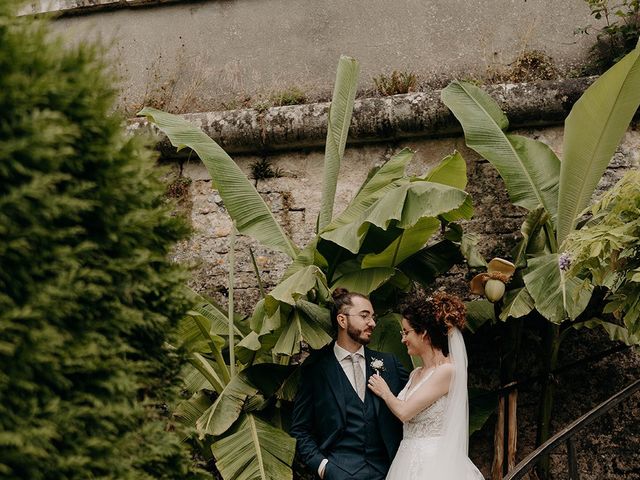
point(433, 405)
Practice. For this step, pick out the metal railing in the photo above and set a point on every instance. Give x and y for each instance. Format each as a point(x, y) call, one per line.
point(567, 435)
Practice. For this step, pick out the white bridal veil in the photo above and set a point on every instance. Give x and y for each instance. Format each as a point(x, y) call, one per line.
point(452, 451)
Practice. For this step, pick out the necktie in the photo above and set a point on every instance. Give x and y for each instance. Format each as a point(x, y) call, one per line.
point(357, 376)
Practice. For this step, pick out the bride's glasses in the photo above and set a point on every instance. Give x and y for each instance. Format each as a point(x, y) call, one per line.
point(404, 333)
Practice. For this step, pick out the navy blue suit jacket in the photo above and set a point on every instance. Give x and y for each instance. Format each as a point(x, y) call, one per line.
point(319, 415)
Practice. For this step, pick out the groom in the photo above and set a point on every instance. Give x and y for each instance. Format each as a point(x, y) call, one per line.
point(343, 430)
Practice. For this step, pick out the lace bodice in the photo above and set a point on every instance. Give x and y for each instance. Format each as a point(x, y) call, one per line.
point(429, 422)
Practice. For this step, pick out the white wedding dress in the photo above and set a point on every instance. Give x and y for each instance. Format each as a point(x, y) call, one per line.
point(420, 455)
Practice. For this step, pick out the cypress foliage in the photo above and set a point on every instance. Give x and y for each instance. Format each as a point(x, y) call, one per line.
point(87, 294)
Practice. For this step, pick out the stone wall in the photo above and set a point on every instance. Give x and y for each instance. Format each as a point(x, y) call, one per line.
point(294, 198)
point(202, 55)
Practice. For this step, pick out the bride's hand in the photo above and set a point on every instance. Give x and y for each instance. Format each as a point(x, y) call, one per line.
point(378, 386)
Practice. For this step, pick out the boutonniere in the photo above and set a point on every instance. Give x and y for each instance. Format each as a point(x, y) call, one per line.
point(377, 364)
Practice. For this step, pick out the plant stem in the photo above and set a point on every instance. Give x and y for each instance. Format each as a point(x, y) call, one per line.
point(257, 272)
point(232, 265)
point(552, 347)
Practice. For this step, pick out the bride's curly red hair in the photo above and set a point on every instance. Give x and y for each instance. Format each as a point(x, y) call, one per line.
point(436, 316)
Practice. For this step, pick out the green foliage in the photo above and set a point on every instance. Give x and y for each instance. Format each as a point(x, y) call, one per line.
point(376, 245)
point(396, 83)
point(620, 33)
point(606, 252)
point(289, 96)
point(554, 192)
point(87, 294)
point(263, 169)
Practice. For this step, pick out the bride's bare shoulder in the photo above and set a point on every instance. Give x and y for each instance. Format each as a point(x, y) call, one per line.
point(444, 371)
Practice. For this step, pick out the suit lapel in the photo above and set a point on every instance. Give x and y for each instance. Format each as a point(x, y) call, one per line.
point(369, 369)
point(332, 371)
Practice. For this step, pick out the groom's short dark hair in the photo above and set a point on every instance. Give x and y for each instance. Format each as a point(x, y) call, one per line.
point(341, 298)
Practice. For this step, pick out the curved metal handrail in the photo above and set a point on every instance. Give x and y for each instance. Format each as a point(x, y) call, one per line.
point(566, 434)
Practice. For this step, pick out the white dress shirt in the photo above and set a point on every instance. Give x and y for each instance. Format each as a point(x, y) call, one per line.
point(342, 356)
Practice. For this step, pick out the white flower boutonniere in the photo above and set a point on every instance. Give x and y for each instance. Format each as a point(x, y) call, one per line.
point(377, 364)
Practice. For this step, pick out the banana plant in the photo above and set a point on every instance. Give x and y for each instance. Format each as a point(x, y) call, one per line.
point(232, 413)
point(370, 244)
point(377, 245)
point(555, 192)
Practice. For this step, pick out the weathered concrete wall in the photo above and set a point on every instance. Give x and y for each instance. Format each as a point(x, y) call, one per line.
point(376, 120)
point(192, 56)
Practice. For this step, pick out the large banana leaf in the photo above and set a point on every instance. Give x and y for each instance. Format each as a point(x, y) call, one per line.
point(381, 182)
point(534, 240)
point(300, 327)
point(254, 451)
point(431, 262)
point(556, 297)
point(246, 207)
point(363, 280)
point(529, 168)
point(344, 93)
point(293, 288)
point(452, 171)
point(517, 303)
point(616, 332)
point(479, 312)
point(226, 409)
point(263, 322)
point(410, 241)
point(404, 205)
point(482, 404)
point(268, 377)
point(189, 411)
point(592, 132)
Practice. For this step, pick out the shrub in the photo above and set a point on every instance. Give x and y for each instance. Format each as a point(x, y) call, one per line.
point(617, 37)
point(87, 294)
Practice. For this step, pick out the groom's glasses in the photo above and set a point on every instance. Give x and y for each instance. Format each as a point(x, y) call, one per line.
point(363, 315)
point(404, 333)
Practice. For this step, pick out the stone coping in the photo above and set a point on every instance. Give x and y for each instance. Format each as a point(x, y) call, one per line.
point(72, 7)
point(412, 115)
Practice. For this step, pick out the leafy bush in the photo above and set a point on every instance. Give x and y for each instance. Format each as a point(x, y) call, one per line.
point(618, 36)
point(87, 294)
point(606, 251)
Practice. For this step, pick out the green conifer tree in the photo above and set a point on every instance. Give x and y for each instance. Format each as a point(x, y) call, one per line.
point(87, 293)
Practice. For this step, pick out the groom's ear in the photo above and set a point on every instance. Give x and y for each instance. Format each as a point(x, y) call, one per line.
point(342, 320)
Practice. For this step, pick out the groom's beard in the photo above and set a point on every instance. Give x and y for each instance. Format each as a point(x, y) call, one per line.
point(359, 335)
